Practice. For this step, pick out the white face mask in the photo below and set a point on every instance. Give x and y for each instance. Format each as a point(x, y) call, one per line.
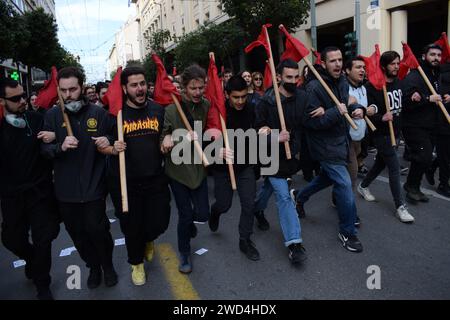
point(74, 106)
point(16, 121)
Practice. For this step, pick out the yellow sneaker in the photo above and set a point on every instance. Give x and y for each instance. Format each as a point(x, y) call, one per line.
point(138, 274)
point(149, 251)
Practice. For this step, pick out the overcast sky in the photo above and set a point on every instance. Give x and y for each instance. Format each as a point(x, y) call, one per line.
point(87, 27)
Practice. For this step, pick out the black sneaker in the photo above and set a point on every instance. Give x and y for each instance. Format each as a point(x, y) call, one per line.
point(249, 249)
point(262, 222)
point(357, 222)
point(443, 190)
point(213, 221)
point(44, 293)
point(289, 182)
point(297, 253)
point(110, 276)
point(298, 205)
point(95, 277)
point(193, 230)
point(351, 243)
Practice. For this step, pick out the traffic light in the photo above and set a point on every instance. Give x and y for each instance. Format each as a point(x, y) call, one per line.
point(351, 45)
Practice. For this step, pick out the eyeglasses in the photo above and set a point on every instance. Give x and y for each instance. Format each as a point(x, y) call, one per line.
point(256, 79)
point(17, 98)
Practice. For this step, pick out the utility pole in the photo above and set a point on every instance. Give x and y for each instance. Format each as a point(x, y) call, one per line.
point(358, 25)
point(313, 24)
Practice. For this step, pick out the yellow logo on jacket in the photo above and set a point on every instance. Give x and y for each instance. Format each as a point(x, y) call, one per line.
point(92, 124)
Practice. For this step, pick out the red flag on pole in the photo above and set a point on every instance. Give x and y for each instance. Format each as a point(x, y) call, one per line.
point(164, 88)
point(443, 43)
point(214, 94)
point(114, 96)
point(261, 41)
point(267, 76)
point(408, 62)
point(373, 69)
point(48, 95)
point(295, 50)
point(318, 60)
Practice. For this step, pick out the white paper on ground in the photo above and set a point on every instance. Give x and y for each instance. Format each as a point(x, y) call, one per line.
point(112, 220)
point(19, 263)
point(119, 242)
point(199, 222)
point(201, 251)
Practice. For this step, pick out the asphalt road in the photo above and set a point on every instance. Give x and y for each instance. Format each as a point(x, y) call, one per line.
point(413, 259)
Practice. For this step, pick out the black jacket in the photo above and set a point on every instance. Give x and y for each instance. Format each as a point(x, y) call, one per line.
point(78, 173)
point(22, 166)
point(328, 136)
point(293, 109)
point(422, 114)
point(376, 97)
point(443, 125)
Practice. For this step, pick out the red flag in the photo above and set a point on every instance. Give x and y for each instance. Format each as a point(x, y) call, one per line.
point(164, 88)
point(408, 62)
point(48, 95)
point(443, 43)
point(373, 69)
point(267, 76)
point(214, 94)
point(318, 60)
point(295, 50)
point(261, 41)
point(114, 96)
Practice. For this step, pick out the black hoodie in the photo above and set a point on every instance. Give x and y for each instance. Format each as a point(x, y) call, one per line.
point(422, 114)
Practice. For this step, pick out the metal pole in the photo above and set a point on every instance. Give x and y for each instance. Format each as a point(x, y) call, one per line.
point(313, 24)
point(358, 24)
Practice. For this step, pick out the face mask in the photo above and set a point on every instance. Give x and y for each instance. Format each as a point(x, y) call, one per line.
point(74, 106)
point(15, 121)
point(290, 87)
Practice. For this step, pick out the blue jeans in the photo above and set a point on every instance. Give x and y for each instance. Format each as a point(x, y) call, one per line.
point(338, 176)
point(192, 205)
point(287, 214)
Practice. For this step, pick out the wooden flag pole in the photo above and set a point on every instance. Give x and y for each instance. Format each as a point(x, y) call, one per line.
point(122, 168)
point(227, 145)
point(388, 108)
point(277, 96)
point(226, 141)
point(370, 123)
point(433, 91)
point(330, 93)
point(64, 114)
point(197, 146)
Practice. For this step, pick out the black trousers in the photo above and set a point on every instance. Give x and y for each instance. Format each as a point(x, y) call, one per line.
point(420, 143)
point(443, 158)
point(88, 226)
point(246, 188)
point(148, 215)
point(33, 210)
point(386, 156)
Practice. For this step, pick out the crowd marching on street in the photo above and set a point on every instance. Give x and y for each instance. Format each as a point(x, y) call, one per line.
point(66, 148)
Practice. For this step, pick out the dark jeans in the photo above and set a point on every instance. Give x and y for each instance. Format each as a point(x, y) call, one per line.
point(420, 152)
point(22, 213)
point(148, 215)
point(246, 188)
point(443, 157)
point(338, 176)
point(88, 226)
point(192, 205)
point(386, 156)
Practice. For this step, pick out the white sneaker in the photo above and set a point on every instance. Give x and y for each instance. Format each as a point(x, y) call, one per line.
point(403, 214)
point(365, 193)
